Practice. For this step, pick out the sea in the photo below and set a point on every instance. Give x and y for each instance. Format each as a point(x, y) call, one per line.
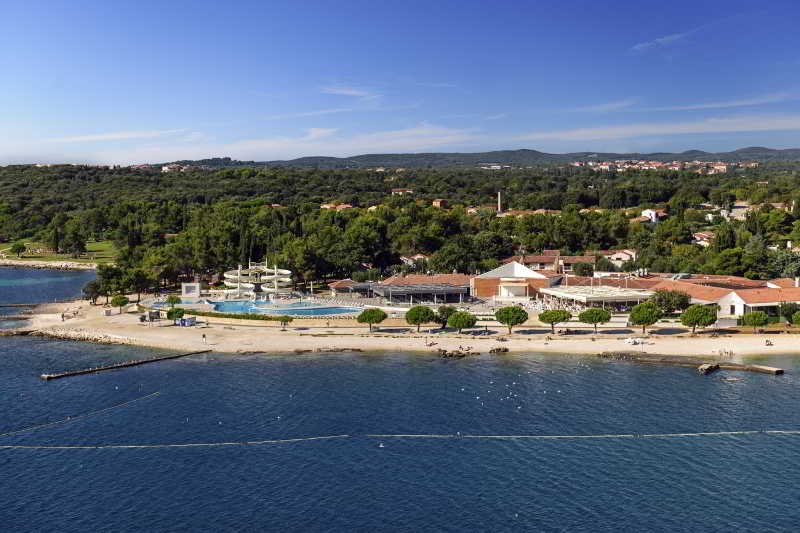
point(385, 441)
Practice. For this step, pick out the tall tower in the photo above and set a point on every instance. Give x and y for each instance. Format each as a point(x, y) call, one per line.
point(499, 202)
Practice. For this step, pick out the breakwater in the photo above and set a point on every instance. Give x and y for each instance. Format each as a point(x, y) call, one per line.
point(115, 366)
point(695, 362)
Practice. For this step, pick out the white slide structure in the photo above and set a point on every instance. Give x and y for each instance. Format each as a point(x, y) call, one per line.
point(258, 278)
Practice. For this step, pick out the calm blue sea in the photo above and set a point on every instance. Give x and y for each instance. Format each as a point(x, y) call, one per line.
point(362, 483)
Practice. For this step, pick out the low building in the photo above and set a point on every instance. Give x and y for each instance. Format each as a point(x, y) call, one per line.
point(510, 281)
point(440, 203)
point(703, 238)
point(654, 215)
point(740, 302)
point(401, 191)
point(412, 260)
point(424, 288)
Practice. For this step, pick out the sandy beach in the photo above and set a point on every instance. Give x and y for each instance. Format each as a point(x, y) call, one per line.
point(89, 323)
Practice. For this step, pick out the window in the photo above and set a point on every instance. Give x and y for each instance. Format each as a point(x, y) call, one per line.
point(733, 310)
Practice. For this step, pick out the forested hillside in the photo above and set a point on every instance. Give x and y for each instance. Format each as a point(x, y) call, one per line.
point(174, 224)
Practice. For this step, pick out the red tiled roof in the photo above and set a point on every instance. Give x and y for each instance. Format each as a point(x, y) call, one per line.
point(572, 259)
point(457, 280)
point(784, 283)
point(766, 296)
point(704, 293)
point(528, 259)
point(341, 284)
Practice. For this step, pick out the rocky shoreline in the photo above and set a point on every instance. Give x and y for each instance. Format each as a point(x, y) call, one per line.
point(47, 265)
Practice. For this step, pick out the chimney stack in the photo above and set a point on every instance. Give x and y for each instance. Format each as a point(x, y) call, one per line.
point(797, 281)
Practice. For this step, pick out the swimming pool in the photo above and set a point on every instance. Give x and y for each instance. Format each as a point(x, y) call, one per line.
point(293, 309)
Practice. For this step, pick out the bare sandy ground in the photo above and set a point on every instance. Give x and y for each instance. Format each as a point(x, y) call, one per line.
point(56, 265)
point(90, 323)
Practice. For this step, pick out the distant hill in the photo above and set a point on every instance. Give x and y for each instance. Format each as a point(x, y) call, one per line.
point(504, 157)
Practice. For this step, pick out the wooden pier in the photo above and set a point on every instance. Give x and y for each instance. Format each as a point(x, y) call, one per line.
point(704, 366)
point(19, 305)
point(115, 366)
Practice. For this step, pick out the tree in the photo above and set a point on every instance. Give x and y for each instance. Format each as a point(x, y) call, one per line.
point(553, 317)
point(371, 316)
point(420, 314)
point(788, 310)
point(796, 318)
point(511, 316)
point(110, 279)
point(756, 319)
point(461, 320)
point(594, 316)
point(173, 300)
point(670, 301)
point(698, 315)
point(92, 291)
point(138, 280)
point(443, 314)
point(119, 301)
point(175, 313)
point(584, 269)
point(645, 314)
point(18, 248)
point(285, 320)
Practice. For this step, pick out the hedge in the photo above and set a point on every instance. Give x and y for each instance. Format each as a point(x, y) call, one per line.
point(241, 316)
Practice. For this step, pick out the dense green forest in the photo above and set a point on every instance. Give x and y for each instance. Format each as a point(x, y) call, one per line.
point(202, 222)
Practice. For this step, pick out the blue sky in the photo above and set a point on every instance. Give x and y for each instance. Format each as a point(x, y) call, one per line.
point(130, 82)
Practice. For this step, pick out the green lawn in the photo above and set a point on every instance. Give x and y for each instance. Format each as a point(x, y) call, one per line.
point(96, 252)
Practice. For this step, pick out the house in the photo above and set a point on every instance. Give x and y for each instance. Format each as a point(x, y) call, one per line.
point(440, 203)
point(654, 215)
point(336, 207)
point(703, 238)
point(509, 281)
point(412, 260)
point(567, 263)
point(535, 262)
point(740, 302)
point(400, 191)
point(618, 257)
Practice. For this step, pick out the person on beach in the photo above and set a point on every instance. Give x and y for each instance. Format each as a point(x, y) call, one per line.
point(204, 339)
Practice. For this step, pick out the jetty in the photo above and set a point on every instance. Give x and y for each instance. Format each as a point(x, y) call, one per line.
point(115, 366)
point(703, 366)
point(18, 305)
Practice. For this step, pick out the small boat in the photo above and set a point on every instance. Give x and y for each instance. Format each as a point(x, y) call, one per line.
point(731, 380)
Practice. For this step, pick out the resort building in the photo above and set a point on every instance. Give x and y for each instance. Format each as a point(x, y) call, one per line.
point(424, 288)
point(511, 281)
point(740, 302)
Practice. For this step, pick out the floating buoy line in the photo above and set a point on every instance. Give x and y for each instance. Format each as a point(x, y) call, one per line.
point(81, 416)
point(398, 436)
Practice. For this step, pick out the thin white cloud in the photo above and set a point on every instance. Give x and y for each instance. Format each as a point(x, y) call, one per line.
point(661, 42)
point(646, 129)
point(116, 136)
point(497, 116)
point(606, 107)
point(743, 102)
point(315, 113)
point(347, 90)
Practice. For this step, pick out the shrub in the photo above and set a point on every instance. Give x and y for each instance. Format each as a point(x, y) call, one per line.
point(645, 314)
point(119, 301)
point(371, 316)
point(461, 320)
point(756, 319)
point(698, 315)
point(553, 317)
point(511, 316)
point(420, 314)
point(173, 300)
point(594, 316)
point(443, 314)
point(670, 301)
point(175, 313)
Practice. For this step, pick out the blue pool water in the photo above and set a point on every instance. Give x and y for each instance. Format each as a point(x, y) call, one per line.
point(293, 309)
point(365, 483)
